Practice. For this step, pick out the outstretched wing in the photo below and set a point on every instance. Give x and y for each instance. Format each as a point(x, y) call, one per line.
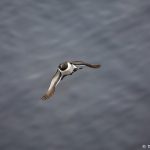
point(86, 64)
point(55, 80)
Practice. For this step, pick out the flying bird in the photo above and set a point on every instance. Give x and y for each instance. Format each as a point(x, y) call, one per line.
point(63, 70)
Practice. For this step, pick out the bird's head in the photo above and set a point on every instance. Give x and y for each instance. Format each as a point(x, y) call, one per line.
point(63, 66)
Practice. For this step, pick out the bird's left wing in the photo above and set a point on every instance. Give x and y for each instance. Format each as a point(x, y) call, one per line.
point(55, 80)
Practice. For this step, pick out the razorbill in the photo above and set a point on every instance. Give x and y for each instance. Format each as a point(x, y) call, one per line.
point(63, 70)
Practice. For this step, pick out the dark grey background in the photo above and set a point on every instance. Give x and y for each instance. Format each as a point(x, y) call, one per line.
point(105, 109)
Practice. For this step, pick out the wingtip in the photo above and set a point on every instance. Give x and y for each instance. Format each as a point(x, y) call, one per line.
point(45, 97)
point(96, 66)
point(48, 94)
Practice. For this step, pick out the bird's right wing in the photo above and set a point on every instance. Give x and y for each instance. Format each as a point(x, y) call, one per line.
point(55, 80)
point(86, 64)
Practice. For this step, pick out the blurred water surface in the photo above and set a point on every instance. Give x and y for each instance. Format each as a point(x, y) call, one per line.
point(105, 109)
